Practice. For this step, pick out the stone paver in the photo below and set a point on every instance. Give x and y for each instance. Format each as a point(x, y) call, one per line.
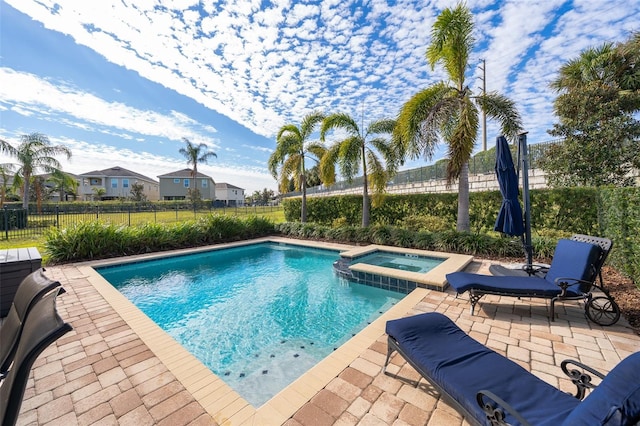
point(102, 372)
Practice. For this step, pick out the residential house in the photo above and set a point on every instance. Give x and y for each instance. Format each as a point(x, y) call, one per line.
point(229, 195)
point(175, 185)
point(116, 183)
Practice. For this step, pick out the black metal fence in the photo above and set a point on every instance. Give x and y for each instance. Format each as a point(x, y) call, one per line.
point(26, 223)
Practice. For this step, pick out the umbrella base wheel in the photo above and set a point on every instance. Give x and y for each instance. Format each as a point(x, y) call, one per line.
point(602, 310)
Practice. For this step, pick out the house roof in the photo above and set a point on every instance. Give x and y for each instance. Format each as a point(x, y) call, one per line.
point(184, 173)
point(116, 171)
point(224, 185)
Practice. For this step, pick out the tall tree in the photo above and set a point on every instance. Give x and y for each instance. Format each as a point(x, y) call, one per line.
point(449, 110)
point(293, 147)
point(597, 106)
point(5, 170)
point(34, 153)
point(360, 148)
point(64, 184)
point(196, 154)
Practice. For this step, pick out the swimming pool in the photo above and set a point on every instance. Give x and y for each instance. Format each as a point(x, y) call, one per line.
point(258, 316)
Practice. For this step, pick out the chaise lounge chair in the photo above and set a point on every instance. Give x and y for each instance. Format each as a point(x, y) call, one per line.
point(540, 270)
point(489, 389)
point(32, 288)
point(42, 327)
point(571, 276)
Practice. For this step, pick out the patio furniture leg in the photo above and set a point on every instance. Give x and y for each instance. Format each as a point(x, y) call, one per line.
point(474, 298)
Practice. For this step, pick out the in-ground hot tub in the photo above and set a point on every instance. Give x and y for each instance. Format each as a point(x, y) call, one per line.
point(399, 269)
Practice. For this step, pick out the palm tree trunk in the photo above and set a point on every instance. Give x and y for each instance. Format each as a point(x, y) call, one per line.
point(38, 189)
point(365, 204)
point(463, 199)
point(303, 209)
point(365, 190)
point(25, 192)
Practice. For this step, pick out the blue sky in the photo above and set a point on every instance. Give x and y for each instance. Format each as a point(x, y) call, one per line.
point(122, 82)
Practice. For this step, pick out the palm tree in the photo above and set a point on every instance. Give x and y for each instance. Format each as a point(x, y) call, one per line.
point(98, 192)
point(33, 153)
point(196, 154)
point(64, 184)
point(449, 110)
point(360, 149)
point(292, 148)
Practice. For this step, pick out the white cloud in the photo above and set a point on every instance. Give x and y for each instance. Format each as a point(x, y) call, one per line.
point(27, 94)
point(263, 68)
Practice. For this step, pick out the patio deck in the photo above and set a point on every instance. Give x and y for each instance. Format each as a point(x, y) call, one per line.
point(104, 373)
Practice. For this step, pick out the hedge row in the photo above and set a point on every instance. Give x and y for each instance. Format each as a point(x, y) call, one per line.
point(619, 216)
point(573, 210)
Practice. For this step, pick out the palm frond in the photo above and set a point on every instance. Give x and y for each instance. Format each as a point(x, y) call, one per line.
point(309, 123)
point(462, 140)
point(389, 154)
point(452, 42)
point(419, 120)
point(339, 120)
point(381, 126)
point(328, 165)
point(350, 156)
point(503, 110)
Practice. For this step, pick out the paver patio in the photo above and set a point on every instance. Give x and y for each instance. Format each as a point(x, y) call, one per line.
point(103, 373)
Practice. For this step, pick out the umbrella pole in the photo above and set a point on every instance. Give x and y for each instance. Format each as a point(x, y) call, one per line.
point(528, 248)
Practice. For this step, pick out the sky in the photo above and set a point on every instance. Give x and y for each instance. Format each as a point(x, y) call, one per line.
point(122, 82)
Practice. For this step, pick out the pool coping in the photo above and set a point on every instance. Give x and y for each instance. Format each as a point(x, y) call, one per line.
point(435, 278)
point(224, 404)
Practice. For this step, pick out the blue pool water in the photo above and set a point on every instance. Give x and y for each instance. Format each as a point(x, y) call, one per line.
point(404, 262)
point(258, 316)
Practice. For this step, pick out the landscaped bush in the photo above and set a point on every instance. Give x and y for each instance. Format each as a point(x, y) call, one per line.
point(96, 240)
point(448, 241)
point(619, 210)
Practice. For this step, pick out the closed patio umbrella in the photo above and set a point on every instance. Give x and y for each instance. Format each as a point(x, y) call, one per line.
point(510, 219)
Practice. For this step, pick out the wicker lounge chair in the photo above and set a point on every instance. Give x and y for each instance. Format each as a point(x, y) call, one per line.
point(489, 389)
point(31, 289)
point(42, 327)
point(571, 276)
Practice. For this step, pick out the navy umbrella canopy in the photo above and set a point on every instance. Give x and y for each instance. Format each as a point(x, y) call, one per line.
point(510, 219)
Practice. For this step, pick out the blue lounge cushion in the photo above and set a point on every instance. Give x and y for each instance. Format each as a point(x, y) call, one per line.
point(616, 401)
point(574, 259)
point(461, 366)
point(526, 286)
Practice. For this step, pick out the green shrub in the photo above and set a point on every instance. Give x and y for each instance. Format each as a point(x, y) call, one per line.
point(619, 220)
point(96, 240)
point(481, 244)
point(415, 222)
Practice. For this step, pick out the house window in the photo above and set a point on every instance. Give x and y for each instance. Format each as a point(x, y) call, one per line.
point(114, 183)
point(95, 181)
point(186, 183)
point(176, 181)
point(125, 183)
point(204, 183)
